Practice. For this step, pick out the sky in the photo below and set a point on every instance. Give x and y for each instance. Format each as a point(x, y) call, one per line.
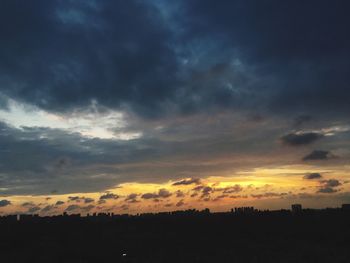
point(158, 105)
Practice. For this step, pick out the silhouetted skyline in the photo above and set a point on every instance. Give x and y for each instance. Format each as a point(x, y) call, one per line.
point(160, 105)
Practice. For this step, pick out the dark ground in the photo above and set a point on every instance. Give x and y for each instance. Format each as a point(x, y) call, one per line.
point(264, 237)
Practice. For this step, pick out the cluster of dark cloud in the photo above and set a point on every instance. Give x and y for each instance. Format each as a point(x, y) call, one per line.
point(329, 186)
point(326, 186)
point(205, 192)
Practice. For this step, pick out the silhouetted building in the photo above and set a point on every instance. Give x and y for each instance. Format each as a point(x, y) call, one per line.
point(346, 207)
point(297, 208)
point(244, 210)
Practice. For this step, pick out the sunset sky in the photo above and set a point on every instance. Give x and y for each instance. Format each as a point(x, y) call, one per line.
point(158, 105)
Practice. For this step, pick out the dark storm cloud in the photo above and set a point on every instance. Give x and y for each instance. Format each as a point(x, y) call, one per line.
point(312, 176)
point(283, 55)
point(298, 139)
point(61, 55)
point(4, 203)
point(317, 155)
point(299, 49)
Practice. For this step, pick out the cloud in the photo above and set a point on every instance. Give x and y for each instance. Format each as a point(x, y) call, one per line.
point(180, 203)
point(149, 196)
point(188, 181)
point(88, 200)
point(198, 188)
point(327, 190)
point(331, 183)
point(186, 84)
point(209, 58)
point(220, 197)
point(299, 139)
point(312, 176)
point(162, 193)
point(74, 198)
point(47, 208)
point(33, 209)
point(27, 204)
point(69, 78)
point(280, 48)
point(238, 196)
point(329, 186)
point(58, 203)
point(131, 198)
point(267, 195)
point(87, 208)
point(206, 191)
point(4, 203)
point(109, 196)
point(318, 155)
point(179, 194)
point(231, 189)
point(71, 208)
point(79, 199)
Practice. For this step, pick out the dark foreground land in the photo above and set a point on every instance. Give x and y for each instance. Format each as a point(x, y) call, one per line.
point(313, 236)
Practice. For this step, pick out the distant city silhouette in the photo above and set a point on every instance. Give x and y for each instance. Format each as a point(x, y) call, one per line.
point(243, 234)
